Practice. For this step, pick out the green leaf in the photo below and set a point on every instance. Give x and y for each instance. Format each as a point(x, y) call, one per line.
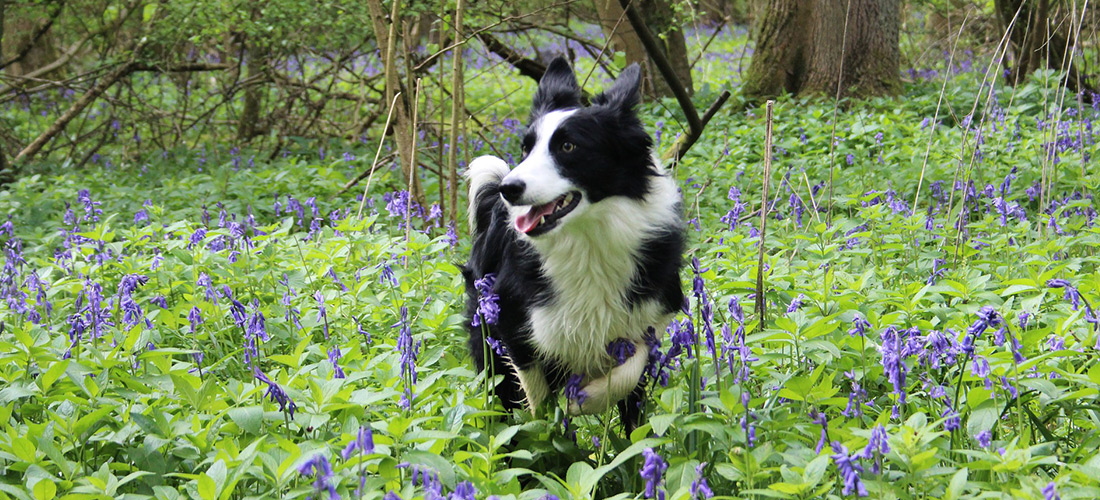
point(208, 490)
point(248, 418)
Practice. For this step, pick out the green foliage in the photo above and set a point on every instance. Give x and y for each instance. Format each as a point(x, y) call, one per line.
point(109, 392)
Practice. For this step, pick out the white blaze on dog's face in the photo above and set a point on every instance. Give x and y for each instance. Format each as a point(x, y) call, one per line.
point(574, 156)
point(540, 196)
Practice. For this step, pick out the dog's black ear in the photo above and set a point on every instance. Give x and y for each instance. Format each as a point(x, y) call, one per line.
point(558, 89)
point(624, 94)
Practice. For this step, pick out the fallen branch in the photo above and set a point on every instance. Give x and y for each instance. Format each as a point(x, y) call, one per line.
point(527, 67)
point(88, 98)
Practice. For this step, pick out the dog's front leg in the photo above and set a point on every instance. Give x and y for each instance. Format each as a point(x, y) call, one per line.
point(533, 381)
point(605, 391)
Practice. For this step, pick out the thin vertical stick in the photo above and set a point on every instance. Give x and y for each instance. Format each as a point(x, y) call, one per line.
point(374, 164)
point(458, 110)
point(441, 153)
point(760, 303)
point(412, 165)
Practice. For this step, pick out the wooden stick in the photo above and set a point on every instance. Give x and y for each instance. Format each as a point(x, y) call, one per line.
point(458, 114)
point(760, 302)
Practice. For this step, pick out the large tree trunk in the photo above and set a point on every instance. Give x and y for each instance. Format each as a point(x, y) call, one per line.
point(802, 46)
point(1040, 37)
point(386, 29)
point(660, 19)
point(249, 124)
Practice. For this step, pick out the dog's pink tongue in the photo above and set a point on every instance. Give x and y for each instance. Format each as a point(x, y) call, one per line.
point(526, 222)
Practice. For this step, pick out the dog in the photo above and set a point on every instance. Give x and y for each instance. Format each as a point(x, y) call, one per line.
point(585, 238)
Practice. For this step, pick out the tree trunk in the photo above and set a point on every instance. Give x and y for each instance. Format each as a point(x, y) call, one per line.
point(1036, 43)
point(803, 47)
point(386, 29)
point(249, 124)
point(4, 175)
point(660, 19)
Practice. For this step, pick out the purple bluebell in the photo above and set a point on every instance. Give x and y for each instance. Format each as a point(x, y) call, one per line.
point(859, 326)
point(334, 356)
point(894, 351)
point(653, 470)
point(849, 470)
point(699, 486)
point(984, 438)
point(362, 331)
point(1050, 492)
point(320, 469)
point(488, 307)
point(276, 393)
point(821, 419)
point(409, 350)
point(195, 317)
point(796, 303)
point(621, 350)
point(574, 391)
point(322, 313)
point(855, 397)
point(210, 293)
point(363, 443)
point(196, 237)
point(463, 491)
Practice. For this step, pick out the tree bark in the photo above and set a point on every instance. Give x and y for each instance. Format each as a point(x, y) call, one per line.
point(660, 19)
point(803, 46)
point(1036, 43)
point(385, 33)
point(248, 124)
point(3, 156)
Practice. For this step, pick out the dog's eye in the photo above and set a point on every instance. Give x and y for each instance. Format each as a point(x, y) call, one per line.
point(568, 147)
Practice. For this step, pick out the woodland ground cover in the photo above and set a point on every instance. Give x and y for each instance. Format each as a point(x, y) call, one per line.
point(221, 326)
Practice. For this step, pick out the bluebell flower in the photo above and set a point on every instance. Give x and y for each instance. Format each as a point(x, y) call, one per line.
point(573, 390)
point(849, 469)
point(334, 356)
point(984, 438)
point(464, 491)
point(821, 419)
point(276, 393)
point(1050, 492)
point(796, 303)
point(196, 237)
point(332, 274)
point(859, 326)
point(699, 486)
point(855, 397)
point(877, 444)
point(319, 467)
point(652, 472)
point(363, 443)
point(621, 350)
point(195, 317)
point(488, 308)
point(409, 350)
point(322, 313)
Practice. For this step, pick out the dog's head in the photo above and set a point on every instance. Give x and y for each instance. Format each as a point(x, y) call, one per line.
point(575, 157)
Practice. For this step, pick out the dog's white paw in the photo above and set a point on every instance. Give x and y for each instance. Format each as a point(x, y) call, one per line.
point(594, 398)
point(602, 392)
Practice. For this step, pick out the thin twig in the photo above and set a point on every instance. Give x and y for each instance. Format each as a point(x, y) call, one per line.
point(760, 302)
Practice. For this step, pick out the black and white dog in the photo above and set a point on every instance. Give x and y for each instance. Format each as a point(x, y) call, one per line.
point(585, 237)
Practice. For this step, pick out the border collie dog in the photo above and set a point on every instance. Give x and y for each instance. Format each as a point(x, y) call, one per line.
point(585, 237)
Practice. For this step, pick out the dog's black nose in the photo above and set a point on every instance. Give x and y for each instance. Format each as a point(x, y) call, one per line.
point(512, 190)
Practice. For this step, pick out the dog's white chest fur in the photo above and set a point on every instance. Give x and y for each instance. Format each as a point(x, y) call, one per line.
point(591, 263)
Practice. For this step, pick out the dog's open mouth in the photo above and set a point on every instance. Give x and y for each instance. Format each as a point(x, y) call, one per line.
point(542, 218)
